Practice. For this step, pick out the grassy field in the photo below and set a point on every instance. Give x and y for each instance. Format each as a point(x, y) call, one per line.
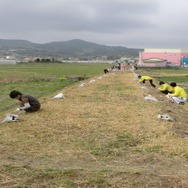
point(41, 79)
point(103, 135)
point(168, 75)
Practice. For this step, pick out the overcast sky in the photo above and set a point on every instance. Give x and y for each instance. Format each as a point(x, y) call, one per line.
point(129, 23)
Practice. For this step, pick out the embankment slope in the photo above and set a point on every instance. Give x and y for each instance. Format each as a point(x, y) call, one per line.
point(104, 134)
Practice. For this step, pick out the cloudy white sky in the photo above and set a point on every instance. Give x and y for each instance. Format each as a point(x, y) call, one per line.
point(129, 23)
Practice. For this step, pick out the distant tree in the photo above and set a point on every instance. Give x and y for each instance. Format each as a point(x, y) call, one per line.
point(37, 60)
point(47, 60)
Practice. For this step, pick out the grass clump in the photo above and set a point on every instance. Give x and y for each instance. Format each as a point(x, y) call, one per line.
point(118, 146)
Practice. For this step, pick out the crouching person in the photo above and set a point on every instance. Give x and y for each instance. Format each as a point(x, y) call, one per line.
point(165, 88)
point(106, 71)
point(179, 96)
point(28, 103)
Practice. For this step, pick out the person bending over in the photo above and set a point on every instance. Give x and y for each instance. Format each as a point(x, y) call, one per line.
point(28, 103)
point(146, 78)
point(165, 88)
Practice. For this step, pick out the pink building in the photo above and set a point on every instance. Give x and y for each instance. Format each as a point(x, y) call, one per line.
point(161, 57)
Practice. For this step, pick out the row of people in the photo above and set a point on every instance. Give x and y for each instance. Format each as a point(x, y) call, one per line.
point(174, 92)
point(118, 66)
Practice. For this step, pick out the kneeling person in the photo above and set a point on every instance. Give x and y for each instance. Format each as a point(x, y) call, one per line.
point(28, 103)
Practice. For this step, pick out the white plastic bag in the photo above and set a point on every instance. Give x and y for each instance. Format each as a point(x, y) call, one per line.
point(150, 97)
point(59, 96)
point(91, 81)
point(82, 85)
point(10, 117)
point(165, 117)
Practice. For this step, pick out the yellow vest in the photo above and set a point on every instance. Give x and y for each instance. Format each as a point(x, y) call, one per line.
point(179, 92)
point(145, 78)
point(166, 87)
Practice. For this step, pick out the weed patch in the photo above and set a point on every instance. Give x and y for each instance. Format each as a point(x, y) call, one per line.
point(117, 147)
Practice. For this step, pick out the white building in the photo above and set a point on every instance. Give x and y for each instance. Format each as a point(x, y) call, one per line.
point(7, 61)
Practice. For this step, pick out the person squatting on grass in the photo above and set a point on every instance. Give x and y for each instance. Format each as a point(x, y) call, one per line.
point(106, 71)
point(28, 103)
point(179, 96)
point(165, 88)
point(146, 78)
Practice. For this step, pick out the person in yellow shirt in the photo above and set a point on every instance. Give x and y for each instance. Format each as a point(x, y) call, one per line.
point(146, 78)
point(179, 96)
point(165, 88)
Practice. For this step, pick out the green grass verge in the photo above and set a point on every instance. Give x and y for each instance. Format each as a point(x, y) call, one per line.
point(39, 79)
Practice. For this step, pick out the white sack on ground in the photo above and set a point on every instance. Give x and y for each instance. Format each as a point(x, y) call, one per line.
point(92, 81)
point(150, 97)
point(100, 77)
point(10, 117)
point(165, 117)
point(59, 96)
point(82, 85)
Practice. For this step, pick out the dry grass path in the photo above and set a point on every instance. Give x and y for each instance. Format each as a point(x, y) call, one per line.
point(104, 134)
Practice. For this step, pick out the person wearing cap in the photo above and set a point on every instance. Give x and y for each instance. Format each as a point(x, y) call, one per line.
point(165, 88)
point(179, 95)
point(146, 78)
point(28, 103)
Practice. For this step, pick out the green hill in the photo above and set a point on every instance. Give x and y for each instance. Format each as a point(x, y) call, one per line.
point(74, 48)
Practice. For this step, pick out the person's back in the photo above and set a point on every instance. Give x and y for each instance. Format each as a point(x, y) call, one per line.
point(146, 78)
point(168, 87)
point(179, 96)
point(35, 104)
point(142, 78)
point(165, 88)
point(179, 92)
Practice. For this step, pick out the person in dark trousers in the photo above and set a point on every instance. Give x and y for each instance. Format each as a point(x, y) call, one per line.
point(146, 78)
point(27, 102)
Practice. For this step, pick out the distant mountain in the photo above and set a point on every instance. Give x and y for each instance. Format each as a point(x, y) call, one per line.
point(10, 43)
point(74, 48)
